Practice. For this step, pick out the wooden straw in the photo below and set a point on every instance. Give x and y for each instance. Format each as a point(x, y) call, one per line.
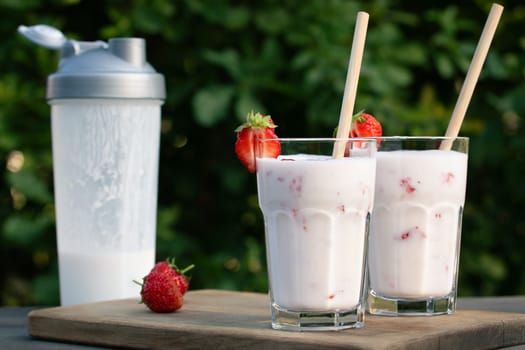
point(352, 77)
point(472, 75)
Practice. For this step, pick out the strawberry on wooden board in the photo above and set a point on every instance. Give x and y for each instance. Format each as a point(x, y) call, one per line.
point(257, 126)
point(160, 293)
point(178, 275)
point(163, 288)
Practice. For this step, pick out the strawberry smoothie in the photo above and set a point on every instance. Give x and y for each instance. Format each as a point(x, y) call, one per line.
point(416, 224)
point(316, 213)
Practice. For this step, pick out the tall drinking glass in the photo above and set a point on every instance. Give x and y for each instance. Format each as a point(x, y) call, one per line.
point(415, 230)
point(316, 214)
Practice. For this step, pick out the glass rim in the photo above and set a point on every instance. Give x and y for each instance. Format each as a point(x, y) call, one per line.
point(374, 138)
point(318, 139)
point(426, 138)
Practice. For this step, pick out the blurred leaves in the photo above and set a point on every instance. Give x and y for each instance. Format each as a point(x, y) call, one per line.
point(31, 185)
point(18, 230)
point(211, 104)
point(288, 59)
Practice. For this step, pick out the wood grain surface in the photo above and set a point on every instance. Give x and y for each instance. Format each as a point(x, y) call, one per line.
point(213, 319)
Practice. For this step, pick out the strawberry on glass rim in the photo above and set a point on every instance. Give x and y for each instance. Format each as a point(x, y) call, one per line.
point(365, 125)
point(257, 126)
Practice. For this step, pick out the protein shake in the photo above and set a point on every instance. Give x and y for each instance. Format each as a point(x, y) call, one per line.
point(416, 226)
point(316, 212)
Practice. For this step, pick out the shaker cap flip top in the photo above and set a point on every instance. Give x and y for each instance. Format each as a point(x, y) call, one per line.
point(116, 69)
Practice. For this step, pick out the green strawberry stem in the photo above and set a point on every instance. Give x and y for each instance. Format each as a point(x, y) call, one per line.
point(257, 120)
point(186, 269)
point(358, 117)
point(171, 262)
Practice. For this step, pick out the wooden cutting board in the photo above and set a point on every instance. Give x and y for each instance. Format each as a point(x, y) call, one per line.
point(240, 320)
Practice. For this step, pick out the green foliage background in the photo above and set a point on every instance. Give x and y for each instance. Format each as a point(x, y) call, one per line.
point(287, 58)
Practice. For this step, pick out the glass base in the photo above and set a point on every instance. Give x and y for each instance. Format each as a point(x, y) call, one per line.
point(283, 319)
point(431, 306)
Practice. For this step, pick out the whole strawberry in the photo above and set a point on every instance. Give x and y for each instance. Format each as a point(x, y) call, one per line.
point(160, 293)
point(180, 277)
point(365, 125)
point(257, 126)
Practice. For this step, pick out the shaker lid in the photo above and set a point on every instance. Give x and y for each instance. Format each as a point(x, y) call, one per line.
point(116, 69)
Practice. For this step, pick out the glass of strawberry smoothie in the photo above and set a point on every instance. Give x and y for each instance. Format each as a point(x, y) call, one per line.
point(415, 229)
point(316, 213)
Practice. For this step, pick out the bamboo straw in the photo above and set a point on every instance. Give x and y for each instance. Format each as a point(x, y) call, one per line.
point(352, 77)
point(472, 75)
